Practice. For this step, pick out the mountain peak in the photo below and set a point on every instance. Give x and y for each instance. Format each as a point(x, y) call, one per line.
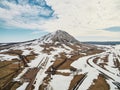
point(60, 36)
point(59, 31)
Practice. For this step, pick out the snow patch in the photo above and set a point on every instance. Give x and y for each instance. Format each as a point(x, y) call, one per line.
point(60, 82)
point(4, 57)
point(23, 86)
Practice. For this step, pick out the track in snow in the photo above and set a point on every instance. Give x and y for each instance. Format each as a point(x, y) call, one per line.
point(79, 82)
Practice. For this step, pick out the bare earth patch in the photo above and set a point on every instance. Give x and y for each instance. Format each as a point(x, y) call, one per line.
point(75, 80)
point(99, 84)
point(8, 71)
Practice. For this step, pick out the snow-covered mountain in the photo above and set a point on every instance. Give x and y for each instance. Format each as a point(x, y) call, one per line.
point(60, 36)
point(51, 39)
point(55, 39)
point(56, 58)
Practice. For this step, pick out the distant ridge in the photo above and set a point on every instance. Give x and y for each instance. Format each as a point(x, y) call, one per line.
point(103, 42)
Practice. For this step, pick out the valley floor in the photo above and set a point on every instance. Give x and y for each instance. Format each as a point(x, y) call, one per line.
point(31, 69)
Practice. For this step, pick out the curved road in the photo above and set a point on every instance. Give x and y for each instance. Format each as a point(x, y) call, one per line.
point(89, 60)
point(113, 77)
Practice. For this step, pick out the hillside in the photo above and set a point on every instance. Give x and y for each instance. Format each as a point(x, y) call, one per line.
point(57, 61)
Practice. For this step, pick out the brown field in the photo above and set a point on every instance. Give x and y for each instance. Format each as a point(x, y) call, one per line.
point(99, 84)
point(94, 51)
point(8, 70)
point(64, 74)
point(15, 85)
point(30, 57)
point(117, 64)
point(95, 60)
point(13, 52)
point(75, 80)
point(45, 83)
point(68, 62)
point(103, 59)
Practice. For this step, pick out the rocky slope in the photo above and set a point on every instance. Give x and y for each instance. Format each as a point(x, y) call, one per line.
point(60, 36)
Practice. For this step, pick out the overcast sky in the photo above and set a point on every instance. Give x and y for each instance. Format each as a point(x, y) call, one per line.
point(87, 20)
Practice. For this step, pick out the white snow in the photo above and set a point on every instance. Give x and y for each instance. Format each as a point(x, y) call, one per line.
point(117, 47)
point(21, 74)
point(113, 55)
point(110, 64)
point(23, 86)
point(36, 61)
point(116, 78)
point(7, 57)
point(110, 60)
point(81, 63)
point(99, 61)
point(83, 53)
point(113, 70)
point(60, 82)
point(59, 50)
point(41, 74)
point(66, 47)
point(112, 86)
point(4, 50)
point(64, 71)
point(68, 56)
point(116, 51)
point(26, 52)
point(92, 74)
point(36, 48)
point(39, 78)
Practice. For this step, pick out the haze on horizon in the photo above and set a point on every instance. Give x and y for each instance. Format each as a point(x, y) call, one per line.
point(22, 20)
